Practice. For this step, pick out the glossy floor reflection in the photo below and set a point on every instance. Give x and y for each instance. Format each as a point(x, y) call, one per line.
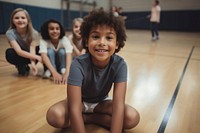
point(154, 70)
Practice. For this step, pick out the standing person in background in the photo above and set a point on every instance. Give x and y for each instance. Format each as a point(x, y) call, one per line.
point(76, 39)
point(91, 78)
point(114, 11)
point(120, 12)
point(155, 19)
point(23, 39)
point(56, 50)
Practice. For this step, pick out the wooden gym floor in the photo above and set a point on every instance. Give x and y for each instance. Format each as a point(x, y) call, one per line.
point(163, 85)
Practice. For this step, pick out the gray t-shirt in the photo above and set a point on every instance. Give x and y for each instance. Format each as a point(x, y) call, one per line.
point(94, 82)
point(12, 34)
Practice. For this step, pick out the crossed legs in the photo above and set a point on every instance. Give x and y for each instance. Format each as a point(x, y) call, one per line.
point(57, 115)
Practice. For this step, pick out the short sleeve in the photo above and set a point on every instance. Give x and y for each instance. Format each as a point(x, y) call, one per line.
point(35, 35)
point(43, 46)
point(75, 74)
point(67, 45)
point(10, 35)
point(121, 75)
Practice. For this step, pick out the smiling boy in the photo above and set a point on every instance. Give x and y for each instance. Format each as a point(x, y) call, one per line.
point(91, 78)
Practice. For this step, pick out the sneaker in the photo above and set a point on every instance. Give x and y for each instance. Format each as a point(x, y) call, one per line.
point(27, 68)
point(22, 70)
point(154, 38)
point(62, 71)
point(47, 74)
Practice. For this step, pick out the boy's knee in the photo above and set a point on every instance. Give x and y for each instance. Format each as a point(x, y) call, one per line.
point(55, 117)
point(131, 119)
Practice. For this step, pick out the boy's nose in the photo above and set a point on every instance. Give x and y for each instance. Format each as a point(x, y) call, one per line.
point(102, 41)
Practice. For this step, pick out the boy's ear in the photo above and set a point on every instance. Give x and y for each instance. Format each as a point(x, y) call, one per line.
point(117, 45)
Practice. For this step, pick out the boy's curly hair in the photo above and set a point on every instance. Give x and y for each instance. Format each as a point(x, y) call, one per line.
point(100, 17)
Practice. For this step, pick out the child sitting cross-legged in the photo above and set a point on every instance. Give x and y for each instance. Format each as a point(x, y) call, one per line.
point(91, 78)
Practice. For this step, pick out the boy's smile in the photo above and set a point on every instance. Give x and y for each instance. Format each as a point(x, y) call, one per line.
point(102, 44)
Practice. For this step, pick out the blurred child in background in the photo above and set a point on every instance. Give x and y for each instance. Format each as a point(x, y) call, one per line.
point(56, 50)
point(23, 39)
point(76, 39)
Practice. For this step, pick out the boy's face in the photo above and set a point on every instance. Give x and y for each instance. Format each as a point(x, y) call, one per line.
point(102, 43)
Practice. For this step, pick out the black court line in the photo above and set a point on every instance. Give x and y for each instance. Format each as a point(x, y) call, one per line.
point(171, 104)
point(164, 55)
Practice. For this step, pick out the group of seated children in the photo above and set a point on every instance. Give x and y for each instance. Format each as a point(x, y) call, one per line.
point(54, 49)
point(89, 77)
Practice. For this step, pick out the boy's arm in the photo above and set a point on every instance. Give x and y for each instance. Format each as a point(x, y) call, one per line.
point(75, 108)
point(119, 93)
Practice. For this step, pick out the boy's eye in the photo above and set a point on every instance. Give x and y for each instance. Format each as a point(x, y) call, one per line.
point(95, 36)
point(109, 37)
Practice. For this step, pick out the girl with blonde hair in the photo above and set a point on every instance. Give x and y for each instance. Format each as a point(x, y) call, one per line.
point(23, 39)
